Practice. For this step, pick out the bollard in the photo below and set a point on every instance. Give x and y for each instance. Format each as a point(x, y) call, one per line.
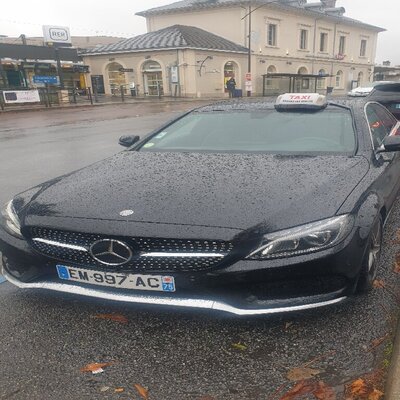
point(122, 93)
point(1, 101)
point(89, 92)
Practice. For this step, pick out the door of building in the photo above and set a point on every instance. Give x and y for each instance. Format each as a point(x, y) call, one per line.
point(98, 81)
point(154, 83)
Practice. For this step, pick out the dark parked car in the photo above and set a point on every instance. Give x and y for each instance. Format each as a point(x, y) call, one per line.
point(387, 94)
point(245, 207)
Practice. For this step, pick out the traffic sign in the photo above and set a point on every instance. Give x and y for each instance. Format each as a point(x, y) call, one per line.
point(50, 80)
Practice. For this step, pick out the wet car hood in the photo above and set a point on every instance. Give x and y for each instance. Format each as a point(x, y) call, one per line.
point(216, 190)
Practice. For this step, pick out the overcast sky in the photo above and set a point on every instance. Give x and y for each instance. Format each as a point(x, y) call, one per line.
point(91, 17)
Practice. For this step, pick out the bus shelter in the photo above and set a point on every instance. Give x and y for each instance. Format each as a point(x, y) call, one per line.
point(278, 83)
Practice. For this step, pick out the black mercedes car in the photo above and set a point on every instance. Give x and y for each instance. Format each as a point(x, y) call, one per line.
point(247, 207)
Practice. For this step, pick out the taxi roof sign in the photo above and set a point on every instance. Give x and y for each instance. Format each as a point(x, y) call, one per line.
point(301, 101)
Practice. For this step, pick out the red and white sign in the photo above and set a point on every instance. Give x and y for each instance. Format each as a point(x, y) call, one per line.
point(248, 77)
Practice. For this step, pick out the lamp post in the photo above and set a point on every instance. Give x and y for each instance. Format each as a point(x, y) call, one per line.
point(249, 14)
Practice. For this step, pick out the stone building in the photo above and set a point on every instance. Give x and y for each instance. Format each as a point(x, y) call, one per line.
point(294, 45)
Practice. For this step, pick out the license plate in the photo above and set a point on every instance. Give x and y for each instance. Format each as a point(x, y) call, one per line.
point(158, 283)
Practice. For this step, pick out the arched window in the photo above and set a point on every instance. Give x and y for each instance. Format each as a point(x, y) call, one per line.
point(116, 78)
point(339, 80)
point(302, 71)
point(271, 69)
point(321, 82)
point(153, 78)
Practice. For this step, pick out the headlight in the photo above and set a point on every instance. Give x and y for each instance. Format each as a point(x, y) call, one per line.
point(11, 221)
point(304, 239)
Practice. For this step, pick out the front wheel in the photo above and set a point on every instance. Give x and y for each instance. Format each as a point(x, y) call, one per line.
point(371, 260)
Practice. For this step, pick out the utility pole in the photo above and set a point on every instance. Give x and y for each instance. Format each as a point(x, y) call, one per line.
point(249, 52)
point(249, 14)
point(59, 67)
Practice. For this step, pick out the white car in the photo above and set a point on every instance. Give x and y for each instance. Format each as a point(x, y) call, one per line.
point(363, 91)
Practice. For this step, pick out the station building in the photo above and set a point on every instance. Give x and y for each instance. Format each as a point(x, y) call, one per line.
point(193, 46)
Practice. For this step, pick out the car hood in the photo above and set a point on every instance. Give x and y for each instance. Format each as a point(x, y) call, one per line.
point(215, 190)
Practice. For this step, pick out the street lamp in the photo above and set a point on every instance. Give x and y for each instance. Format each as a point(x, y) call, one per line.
point(249, 14)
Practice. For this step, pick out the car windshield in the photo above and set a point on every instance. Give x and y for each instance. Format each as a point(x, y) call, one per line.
point(269, 131)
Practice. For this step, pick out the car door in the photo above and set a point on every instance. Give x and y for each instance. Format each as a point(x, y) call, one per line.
point(382, 123)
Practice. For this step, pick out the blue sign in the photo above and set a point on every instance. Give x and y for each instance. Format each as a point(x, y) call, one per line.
point(51, 80)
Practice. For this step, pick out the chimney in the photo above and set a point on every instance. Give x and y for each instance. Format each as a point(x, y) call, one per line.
point(329, 3)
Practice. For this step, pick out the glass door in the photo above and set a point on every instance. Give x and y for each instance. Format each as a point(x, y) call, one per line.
point(154, 83)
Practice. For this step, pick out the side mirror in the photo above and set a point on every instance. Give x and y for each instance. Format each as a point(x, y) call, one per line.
point(390, 143)
point(128, 141)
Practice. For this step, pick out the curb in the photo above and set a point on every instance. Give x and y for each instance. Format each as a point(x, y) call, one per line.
point(392, 388)
point(73, 106)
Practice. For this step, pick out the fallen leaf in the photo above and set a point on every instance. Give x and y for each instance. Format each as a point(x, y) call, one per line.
point(142, 391)
point(239, 346)
point(375, 395)
point(377, 342)
point(302, 374)
point(301, 388)
point(397, 264)
point(288, 325)
point(95, 367)
point(324, 392)
point(358, 388)
point(119, 390)
point(379, 284)
point(113, 317)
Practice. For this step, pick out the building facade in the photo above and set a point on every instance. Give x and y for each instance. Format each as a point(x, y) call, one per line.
point(287, 45)
point(178, 60)
point(287, 37)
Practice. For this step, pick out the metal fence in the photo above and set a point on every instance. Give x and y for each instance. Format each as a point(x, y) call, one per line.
point(53, 96)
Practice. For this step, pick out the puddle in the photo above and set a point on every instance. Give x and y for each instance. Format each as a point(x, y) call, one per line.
point(2, 279)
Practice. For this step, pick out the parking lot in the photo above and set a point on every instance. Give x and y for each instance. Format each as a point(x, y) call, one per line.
point(46, 338)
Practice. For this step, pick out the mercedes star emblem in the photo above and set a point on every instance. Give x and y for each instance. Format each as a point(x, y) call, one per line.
point(111, 252)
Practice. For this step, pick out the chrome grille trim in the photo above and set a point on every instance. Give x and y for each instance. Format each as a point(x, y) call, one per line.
point(150, 254)
point(59, 244)
point(190, 255)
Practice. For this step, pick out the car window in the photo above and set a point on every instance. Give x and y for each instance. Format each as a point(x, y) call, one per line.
point(330, 130)
point(381, 123)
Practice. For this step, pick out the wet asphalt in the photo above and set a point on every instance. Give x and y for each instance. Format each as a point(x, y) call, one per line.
point(46, 338)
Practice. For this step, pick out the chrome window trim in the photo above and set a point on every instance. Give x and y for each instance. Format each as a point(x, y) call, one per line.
point(376, 150)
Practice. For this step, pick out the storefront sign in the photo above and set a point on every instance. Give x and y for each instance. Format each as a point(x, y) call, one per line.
point(126, 70)
point(56, 34)
point(50, 80)
point(83, 69)
point(21, 96)
point(174, 74)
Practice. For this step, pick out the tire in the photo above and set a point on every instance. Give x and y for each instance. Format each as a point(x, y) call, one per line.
point(371, 259)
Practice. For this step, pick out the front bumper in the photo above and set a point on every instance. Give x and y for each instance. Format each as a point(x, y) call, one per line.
point(172, 302)
point(243, 288)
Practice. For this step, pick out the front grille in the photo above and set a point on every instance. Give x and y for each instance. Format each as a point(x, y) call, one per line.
point(199, 255)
